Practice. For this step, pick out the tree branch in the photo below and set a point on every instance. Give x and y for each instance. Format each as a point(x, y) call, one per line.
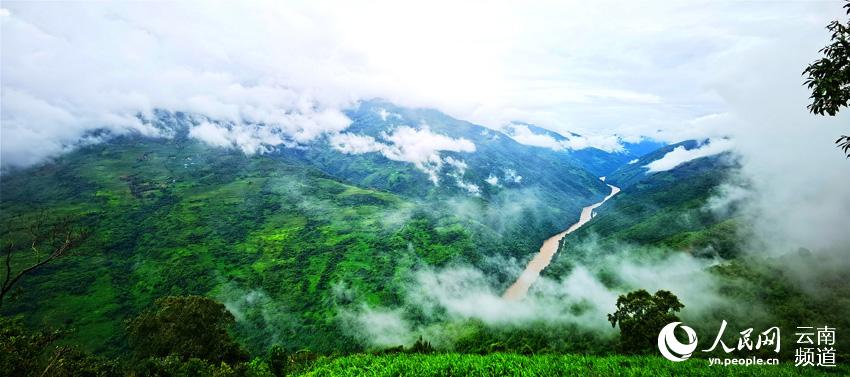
point(61, 237)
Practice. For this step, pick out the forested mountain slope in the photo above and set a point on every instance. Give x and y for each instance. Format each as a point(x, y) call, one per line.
point(484, 162)
point(658, 207)
point(274, 236)
point(269, 237)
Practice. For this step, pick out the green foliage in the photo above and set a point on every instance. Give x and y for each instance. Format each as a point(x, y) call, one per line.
point(286, 246)
point(25, 353)
point(175, 366)
point(286, 239)
point(501, 364)
point(20, 349)
point(283, 363)
point(268, 236)
point(721, 239)
point(257, 367)
point(531, 338)
point(641, 316)
point(800, 288)
point(72, 362)
point(49, 239)
point(186, 326)
point(843, 142)
point(559, 176)
point(829, 77)
point(421, 346)
point(667, 210)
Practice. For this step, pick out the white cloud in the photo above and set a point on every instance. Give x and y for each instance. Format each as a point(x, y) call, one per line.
point(384, 114)
point(680, 155)
point(608, 143)
point(492, 180)
point(355, 144)
point(249, 138)
point(632, 162)
point(62, 80)
point(295, 65)
point(382, 327)
point(460, 167)
point(420, 147)
point(212, 134)
point(471, 188)
point(524, 135)
point(512, 176)
point(696, 70)
point(796, 179)
point(460, 293)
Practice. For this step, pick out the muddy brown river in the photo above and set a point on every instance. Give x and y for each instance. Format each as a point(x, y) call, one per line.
point(543, 257)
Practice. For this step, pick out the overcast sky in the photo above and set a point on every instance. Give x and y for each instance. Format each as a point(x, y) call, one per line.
point(659, 69)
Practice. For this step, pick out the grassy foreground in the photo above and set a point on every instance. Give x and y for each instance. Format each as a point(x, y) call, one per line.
point(542, 365)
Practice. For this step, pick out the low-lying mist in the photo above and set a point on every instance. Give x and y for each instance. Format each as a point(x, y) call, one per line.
point(792, 189)
point(437, 302)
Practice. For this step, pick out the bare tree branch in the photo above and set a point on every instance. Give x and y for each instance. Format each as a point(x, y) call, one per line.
point(47, 242)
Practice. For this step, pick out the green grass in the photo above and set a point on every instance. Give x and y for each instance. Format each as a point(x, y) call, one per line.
point(542, 365)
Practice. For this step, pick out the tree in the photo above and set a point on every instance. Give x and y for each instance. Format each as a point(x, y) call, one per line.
point(25, 353)
point(829, 77)
point(421, 346)
point(641, 316)
point(19, 349)
point(47, 241)
point(283, 363)
point(187, 327)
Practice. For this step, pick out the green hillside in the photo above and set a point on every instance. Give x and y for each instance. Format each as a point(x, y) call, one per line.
point(542, 365)
point(289, 240)
point(667, 214)
point(269, 237)
point(660, 208)
point(634, 171)
point(557, 179)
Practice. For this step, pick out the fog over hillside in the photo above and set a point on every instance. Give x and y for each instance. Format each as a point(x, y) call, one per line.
point(327, 56)
point(70, 69)
point(354, 176)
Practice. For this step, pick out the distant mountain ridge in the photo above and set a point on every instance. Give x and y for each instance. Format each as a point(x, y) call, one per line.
point(636, 171)
point(496, 164)
point(387, 147)
point(424, 154)
point(668, 209)
point(595, 160)
point(290, 235)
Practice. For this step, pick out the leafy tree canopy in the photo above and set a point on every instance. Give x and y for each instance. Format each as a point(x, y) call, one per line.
point(641, 316)
point(829, 77)
point(185, 326)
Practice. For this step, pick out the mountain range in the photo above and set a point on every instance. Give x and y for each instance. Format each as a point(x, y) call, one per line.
point(287, 237)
